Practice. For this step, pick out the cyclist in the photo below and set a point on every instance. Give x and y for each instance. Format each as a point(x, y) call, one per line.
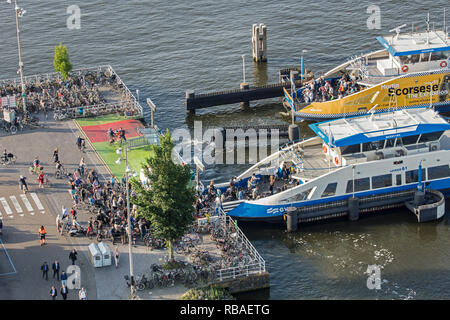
point(5, 157)
point(80, 143)
point(42, 233)
point(59, 168)
point(23, 184)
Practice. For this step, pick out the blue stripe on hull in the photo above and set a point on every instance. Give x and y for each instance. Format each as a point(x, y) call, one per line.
point(251, 211)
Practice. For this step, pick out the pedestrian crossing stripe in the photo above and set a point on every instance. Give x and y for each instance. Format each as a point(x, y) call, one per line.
point(6, 206)
point(27, 203)
point(37, 201)
point(16, 204)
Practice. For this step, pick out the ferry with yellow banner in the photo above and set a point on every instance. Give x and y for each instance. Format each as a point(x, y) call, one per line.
point(412, 70)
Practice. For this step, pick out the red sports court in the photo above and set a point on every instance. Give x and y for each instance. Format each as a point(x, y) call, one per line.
point(99, 133)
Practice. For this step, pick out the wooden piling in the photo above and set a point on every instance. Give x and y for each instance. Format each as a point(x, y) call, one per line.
point(259, 42)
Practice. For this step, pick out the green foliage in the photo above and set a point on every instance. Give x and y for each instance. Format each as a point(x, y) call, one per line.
point(168, 203)
point(207, 293)
point(61, 61)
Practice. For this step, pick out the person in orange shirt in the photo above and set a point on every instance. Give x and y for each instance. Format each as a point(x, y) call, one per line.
point(42, 233)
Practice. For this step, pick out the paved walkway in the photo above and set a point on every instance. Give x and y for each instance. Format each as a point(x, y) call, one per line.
point(22, 256)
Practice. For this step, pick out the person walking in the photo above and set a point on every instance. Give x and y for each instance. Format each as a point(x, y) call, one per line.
point(73, 256)
point(64, 291)
point(42, 233)
point(41, 179)
point(53, 293)
point(116, 256)
point(63, 278)
point(44, 269)
point(56, 268)
point(82, 166)
point(82, 294)
point(55, 156)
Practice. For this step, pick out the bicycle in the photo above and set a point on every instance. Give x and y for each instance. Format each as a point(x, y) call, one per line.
point(10, 159)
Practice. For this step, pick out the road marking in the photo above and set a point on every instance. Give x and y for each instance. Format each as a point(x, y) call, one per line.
point(27, 203)
point(16, 204)
point(6, 206)
point(37, 201)
point(10, 261)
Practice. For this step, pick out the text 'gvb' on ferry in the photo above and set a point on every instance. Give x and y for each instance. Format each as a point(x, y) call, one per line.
point(411, 70)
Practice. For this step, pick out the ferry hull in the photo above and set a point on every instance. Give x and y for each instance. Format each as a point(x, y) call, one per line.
point(411, 90)
point(251, 211)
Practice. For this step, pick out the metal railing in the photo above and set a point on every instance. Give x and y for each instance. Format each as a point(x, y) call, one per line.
point(256, 264)
point(107, 69)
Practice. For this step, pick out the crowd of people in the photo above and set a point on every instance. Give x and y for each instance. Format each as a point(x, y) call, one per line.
point(107, 203)
point(321, 90)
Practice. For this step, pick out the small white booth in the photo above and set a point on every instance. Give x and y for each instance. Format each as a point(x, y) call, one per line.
point(106, 254)
point(95, 255)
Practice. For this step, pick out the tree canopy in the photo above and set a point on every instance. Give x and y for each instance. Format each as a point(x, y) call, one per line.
point(168, 202)
point(61, 61)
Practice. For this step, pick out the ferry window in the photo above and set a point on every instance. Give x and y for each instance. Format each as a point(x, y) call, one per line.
point(413, 176)
point(410, 139)
point(374, 145)
point(438, 172)
point(382, 181)
point(398, 179)
point(360, 185)
point(399, 142)
point(432, 136)
point(354, 148)
point(441, 55)
point(300, 196)
point(330, 190)
point(389, 143)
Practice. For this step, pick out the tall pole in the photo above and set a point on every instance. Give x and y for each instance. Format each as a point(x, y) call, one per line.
point(243, 66)
point(129, 222)
point(16, 9)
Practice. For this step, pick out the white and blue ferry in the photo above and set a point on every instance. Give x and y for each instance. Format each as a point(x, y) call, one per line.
point(363, 156)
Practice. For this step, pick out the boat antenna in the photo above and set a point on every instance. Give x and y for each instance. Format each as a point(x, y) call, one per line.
point(397, 30)
point(428, 27)
point(445, 29)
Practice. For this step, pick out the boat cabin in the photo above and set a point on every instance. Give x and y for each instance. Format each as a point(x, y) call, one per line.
point(385, 135)
point(414, 52)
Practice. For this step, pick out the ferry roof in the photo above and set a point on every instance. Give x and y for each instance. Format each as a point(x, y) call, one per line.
point(380, 126)
point(415, 43)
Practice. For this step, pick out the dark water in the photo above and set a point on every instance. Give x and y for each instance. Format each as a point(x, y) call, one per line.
point(165, 48)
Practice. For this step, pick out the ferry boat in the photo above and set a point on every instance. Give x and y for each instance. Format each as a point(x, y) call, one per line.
point(375, 155)
point(411, 70)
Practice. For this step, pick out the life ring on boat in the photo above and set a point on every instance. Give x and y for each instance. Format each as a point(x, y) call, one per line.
point(324, 149)
point(336, 160)
point(405, 68)
point(443, 64)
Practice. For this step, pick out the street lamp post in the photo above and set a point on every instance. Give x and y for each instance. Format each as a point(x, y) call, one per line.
point(130, 253)
point(19, 11)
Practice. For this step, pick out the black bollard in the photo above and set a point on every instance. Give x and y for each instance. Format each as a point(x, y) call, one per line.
point(291, 219)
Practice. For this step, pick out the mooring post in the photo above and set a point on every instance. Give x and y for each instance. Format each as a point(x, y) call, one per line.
point(245, 104)
point(190, 94)
point(291, 219)
point(259, 42)
point(353, 208)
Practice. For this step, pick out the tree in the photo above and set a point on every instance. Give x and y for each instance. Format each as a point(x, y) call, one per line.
point(61, 61)
point(169, 202)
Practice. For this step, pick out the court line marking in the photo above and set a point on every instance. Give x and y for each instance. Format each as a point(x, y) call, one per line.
point(10, 261)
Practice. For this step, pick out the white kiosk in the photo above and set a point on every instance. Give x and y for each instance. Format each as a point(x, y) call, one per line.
point(95, 255)
point(106, 254)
